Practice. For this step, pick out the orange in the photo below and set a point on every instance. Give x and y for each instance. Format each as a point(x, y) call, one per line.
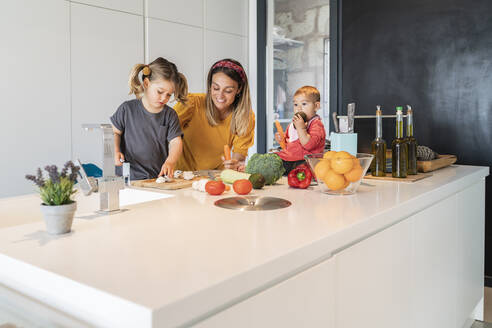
point(342, 162)
point(357, 162)
point(354, 174)
point(333, 180)
point(346, 184)
point(322, 168)
point(344, 154)
point(329, 154)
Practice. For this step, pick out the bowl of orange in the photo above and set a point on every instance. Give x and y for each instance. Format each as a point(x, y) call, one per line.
point(338, 172)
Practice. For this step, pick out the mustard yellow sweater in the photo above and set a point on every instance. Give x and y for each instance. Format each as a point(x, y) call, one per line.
point(203, 144)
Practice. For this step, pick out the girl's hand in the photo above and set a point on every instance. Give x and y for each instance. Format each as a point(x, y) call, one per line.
point(299, 122)
point(167, 169)
point(241, 167)
point(119, 158)
point(232, 164)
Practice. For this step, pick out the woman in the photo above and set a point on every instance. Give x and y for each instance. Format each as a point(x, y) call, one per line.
point(222, 116)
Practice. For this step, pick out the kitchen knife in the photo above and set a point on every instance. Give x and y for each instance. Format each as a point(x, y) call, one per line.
point(350, 116)
point(335, 122)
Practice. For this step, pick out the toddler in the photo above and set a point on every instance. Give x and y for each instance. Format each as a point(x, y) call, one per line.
point(306, 134)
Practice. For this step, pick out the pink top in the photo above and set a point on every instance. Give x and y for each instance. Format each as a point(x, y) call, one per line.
point(294, 150)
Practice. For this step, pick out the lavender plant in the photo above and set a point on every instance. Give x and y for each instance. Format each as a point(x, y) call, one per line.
point(57, 188)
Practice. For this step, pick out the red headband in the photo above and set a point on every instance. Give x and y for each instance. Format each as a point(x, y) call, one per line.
point(239, 70)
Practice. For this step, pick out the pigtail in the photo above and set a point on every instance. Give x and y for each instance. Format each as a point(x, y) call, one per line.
point(181, 88)
point(134, 82)
point(160, 68)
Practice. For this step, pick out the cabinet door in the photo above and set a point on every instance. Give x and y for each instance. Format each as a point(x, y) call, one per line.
point(181, 44)
point(304, 300)
point(130, 6)
point(471, 228)
point(105, 46)
point(35, 89)
point(373, 284)
point(189, 12)
point(435, 258)
point(220, 45)
point(218, 16)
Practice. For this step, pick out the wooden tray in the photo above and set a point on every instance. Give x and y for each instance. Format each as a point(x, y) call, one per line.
point(409, 178)
point(176, 184)
point(438, 163)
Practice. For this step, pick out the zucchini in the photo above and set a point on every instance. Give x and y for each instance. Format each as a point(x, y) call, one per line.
point(229, 176)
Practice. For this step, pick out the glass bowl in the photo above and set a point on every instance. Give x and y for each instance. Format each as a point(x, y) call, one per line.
point(351, 179)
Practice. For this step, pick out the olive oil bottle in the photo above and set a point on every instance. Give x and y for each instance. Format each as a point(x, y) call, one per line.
point(378, 147)
point(412, 144)
point(399, 149)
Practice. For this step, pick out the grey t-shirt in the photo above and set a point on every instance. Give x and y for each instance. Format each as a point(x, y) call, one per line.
point(145, 137)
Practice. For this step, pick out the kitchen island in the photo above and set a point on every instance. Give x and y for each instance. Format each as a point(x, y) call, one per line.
point(393, 255)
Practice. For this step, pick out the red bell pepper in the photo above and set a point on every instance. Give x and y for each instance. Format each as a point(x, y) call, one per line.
point(300, 177)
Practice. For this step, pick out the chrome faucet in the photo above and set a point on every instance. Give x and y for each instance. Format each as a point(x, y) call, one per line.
point(109, 185)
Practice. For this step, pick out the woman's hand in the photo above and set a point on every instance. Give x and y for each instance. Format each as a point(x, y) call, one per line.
point(167, 169)
point(119, 158)
point(299, 122)
point(233, 164)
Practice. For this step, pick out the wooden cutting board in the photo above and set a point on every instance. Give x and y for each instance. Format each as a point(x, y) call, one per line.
point(179, 183)
point(409, 178)
point(438, 163)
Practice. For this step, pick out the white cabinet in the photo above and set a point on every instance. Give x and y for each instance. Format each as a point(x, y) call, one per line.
point(373, 281)
point(304, 300)
point(35, 89)
point(188, 12)
point(227, 16)
point(105, 44)
point(435, 270)
point(181, 44)
point(471, 224)
point(426, 271)
point(130, 6)
point(222, 45)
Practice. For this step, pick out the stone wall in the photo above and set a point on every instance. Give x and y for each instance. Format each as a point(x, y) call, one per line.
point(306, 21)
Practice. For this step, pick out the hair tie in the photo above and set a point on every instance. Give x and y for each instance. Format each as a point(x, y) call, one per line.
point(146, 70)
point(239, 70)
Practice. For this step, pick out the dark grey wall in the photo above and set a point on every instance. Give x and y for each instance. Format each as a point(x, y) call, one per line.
point(435, 55)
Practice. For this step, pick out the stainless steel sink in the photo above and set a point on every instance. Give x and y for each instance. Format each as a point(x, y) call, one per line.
point(252, 203)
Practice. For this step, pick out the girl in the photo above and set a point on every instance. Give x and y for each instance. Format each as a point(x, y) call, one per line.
point(147, 133)
point(222, 116)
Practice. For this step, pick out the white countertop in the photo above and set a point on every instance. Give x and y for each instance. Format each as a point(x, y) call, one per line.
point(176, 259)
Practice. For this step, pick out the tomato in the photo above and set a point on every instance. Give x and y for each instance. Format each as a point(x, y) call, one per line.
point(215, 187)
point(242, 186)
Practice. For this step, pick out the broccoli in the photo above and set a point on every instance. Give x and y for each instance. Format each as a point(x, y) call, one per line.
point(268, 165)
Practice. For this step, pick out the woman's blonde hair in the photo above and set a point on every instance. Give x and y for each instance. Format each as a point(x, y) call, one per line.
point(160, 68)
point(242, 103)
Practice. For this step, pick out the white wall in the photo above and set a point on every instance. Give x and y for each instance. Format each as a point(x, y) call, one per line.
point(67, 63)
point(35, 89)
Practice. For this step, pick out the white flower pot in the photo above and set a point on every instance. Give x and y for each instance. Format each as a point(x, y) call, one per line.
point(58, 218)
